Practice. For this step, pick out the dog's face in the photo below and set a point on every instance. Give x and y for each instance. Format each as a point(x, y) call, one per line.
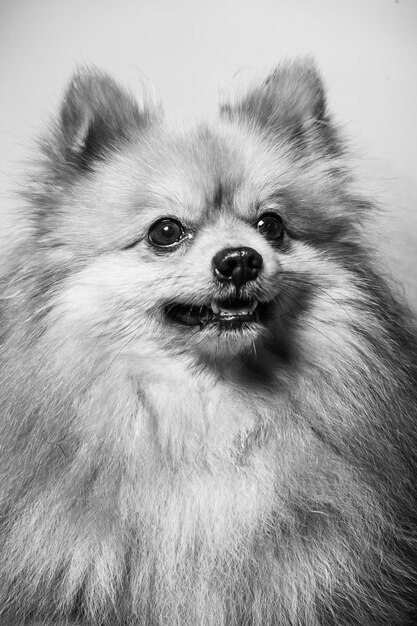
point(208, 242)
point(190, 248)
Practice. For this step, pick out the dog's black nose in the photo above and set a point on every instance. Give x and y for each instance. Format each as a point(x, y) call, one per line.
point(237, 265)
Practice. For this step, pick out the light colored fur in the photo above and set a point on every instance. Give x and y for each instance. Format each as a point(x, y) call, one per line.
point(160, 475)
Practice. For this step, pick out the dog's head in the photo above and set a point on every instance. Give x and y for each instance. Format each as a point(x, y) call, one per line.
point(209, 241)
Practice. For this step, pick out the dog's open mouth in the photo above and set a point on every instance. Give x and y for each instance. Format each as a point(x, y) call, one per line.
point(226, 314)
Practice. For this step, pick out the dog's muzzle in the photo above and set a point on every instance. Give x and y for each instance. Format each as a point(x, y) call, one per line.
point(234, 268)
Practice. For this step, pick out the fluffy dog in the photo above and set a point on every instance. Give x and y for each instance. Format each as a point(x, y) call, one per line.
point(208, 393)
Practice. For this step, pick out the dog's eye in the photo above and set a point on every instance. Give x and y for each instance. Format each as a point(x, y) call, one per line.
point(270, 226)
point(166, 232)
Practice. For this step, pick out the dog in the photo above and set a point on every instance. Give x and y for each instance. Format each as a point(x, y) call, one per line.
point(208, 391)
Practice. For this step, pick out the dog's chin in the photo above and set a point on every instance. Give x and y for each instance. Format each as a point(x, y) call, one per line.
point(221, 328)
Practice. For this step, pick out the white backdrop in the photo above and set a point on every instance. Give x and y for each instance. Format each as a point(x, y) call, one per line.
point(366, 49)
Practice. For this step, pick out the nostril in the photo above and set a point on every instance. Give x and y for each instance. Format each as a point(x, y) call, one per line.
point(226, 266)
point(237, 265)
point(255, 260)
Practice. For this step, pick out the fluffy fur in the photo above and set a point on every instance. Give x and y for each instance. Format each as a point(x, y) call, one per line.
point(155, 472)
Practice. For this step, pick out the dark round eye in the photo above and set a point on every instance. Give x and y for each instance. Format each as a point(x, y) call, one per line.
point(166, 232)
point(270, 226)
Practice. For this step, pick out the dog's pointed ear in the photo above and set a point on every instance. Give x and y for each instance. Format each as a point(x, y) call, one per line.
point(96, 117)
point(291, 105)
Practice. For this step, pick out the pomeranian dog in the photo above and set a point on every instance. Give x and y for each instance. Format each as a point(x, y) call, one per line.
point(208, 393)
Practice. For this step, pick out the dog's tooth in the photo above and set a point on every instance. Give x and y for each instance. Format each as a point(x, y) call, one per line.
point(228, 312)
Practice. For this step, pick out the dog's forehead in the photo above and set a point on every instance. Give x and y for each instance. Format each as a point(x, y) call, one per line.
point(217, 168)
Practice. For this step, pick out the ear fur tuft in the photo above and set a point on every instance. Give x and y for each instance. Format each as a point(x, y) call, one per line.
point(289, 104)
point(96, 116)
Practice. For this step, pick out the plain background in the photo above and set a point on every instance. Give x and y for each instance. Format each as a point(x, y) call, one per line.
point(185, 50)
